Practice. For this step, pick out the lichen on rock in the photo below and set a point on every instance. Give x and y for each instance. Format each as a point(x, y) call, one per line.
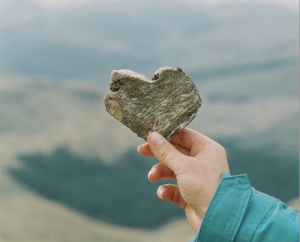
point(167, 103)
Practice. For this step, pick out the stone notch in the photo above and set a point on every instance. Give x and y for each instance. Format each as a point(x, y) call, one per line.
point(167, 103)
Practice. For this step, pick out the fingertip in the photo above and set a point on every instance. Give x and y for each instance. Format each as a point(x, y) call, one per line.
point(171, 193)
point(154, 175)
point(155, 139)
point(163, 193)
point(160, 192)
point(150, 174)
point(140, 148)
point(145, 150)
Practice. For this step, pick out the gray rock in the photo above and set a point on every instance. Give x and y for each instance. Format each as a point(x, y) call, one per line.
point(167, 103)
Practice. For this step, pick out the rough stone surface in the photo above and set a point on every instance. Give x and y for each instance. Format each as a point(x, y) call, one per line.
point(167, 103)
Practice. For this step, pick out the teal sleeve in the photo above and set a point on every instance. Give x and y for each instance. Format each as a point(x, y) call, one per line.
point(239, 213)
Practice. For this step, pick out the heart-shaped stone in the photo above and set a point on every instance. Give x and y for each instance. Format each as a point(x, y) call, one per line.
point(167, 103)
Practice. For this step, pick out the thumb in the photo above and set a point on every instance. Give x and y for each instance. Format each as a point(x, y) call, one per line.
point(164, 151)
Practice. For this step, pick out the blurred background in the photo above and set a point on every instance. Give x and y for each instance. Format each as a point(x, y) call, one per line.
point(71, 172)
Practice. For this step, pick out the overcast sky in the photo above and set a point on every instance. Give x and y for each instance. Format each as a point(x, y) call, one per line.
point(294, 4)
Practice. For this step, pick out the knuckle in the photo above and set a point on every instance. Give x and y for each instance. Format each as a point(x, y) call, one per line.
point(221, 149)
point(166, 152)
point(216, 146)
point(200, 145)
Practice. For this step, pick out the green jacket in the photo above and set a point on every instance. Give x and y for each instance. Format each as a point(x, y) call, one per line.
point(239, 213)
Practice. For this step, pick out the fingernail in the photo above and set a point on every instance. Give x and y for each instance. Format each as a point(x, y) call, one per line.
point(160, 192)
point(156, 139)
point(151, 172)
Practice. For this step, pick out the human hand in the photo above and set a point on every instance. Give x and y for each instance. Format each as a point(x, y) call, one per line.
point(196, 162)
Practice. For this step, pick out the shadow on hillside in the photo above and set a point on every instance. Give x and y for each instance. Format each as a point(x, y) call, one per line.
point(121, 193)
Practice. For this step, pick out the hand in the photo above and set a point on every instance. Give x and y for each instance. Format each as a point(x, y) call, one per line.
point(196, 162)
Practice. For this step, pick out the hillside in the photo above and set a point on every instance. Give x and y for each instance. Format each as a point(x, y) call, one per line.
point(71, 172)
point(66, 148)
point(88, 42)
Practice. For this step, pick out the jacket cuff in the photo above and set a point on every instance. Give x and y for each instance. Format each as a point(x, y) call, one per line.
point(238, 212)
point(226, 210)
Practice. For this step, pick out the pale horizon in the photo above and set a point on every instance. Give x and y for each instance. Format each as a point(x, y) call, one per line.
point(291, 4)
